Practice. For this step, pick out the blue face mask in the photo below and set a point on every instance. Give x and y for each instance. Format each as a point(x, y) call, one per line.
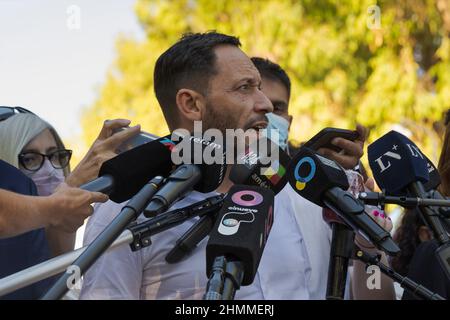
point(282, 125)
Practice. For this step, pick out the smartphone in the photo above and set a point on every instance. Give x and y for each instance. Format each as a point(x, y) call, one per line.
point(324, 137)
point(139, 139)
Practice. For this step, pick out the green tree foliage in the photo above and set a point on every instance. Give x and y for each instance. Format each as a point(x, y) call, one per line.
point(345, 65)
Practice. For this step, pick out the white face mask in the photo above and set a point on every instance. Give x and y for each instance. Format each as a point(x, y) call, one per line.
point(46, 178)
point(280, 124)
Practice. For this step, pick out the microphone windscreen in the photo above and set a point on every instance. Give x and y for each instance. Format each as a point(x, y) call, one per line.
point(132, 169)
point(242, 228)
point(263, 164)
point(207, 154)
point(311, 175)
point(434, 177)
point(396, 162)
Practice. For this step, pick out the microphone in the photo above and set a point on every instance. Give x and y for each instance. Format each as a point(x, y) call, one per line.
point(399, 166)
point(195, 173)
point(189, 240)
point(239, 236)
point(124, 175)
point(248, 173)
point(434, 179)
point(322, 181)
point(263, 164)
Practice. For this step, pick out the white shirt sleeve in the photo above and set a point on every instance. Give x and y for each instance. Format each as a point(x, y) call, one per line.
point(117, 274)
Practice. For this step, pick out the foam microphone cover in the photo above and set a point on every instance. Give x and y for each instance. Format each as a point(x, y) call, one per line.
point(396, 162)
point(242, 228)
point(208, 155)
point(434, 177)
point(260, 168)
point(132, 169)
point(311, 175)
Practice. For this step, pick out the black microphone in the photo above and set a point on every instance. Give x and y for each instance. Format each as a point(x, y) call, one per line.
point(250, 172)
point(399, 167)
point(263, 164)
point(322, 181)
point(240, 235)
point(191, 238)
point(124, 175)
point(195, 174)
point(434, 179)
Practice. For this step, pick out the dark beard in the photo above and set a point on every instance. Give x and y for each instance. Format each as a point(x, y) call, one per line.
point(214, 118)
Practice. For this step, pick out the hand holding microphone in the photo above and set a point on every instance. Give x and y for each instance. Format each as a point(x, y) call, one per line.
point(103, 149)
point(68, 207)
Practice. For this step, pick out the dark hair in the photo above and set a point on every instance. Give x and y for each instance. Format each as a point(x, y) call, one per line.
point(189, 63)
point(407, 238)
point(272, 71)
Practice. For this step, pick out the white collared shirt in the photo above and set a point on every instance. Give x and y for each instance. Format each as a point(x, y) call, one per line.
point(284, 271)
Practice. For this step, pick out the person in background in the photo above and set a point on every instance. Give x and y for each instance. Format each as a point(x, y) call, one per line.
point(23, 217)
point(276, 85)
point(33, 146)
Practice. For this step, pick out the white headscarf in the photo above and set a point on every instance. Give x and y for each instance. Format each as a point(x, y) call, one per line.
point(17, 131)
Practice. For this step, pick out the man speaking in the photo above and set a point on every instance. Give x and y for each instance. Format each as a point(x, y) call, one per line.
point(203, 77)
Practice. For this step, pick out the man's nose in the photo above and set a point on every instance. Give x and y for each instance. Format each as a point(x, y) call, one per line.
point(262, 103)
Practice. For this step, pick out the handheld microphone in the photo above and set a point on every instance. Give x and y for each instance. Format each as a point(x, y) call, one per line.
point(241, 230)
point(255, 170)
point(248, 173)
point(196, 173)
point(396, 163)
point(322, 181)
point(399, 166)
point(260, 168)
point(124, 175)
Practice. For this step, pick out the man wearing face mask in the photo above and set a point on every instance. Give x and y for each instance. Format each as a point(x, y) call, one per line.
point(276, 86)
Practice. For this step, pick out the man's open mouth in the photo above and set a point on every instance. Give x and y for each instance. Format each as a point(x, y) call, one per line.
point(259, 125)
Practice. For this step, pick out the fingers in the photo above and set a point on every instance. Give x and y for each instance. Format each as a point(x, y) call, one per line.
point(370, 184)
point(118, 138)
point(346, 161)
point(98, 197)
point(351, 148)
point(382, 219)
point(363, 132)
point(110, 125)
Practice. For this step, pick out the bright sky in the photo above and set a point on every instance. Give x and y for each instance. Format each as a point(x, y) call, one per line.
point(52, 68)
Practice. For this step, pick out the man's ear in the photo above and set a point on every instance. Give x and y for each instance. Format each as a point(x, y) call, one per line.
point(190, 104)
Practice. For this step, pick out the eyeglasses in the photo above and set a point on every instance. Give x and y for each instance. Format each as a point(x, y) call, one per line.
point(33, 161)
point(6, 112)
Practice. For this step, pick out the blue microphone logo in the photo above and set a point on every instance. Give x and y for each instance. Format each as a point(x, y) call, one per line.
point(301, 180)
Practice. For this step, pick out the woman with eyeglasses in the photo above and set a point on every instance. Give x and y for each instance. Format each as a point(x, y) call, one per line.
point(33, 145)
